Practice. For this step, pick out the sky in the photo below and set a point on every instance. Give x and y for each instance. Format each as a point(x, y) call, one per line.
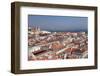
point(58, 23)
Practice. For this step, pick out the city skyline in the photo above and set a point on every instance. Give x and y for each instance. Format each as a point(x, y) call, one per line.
point(58, 23)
